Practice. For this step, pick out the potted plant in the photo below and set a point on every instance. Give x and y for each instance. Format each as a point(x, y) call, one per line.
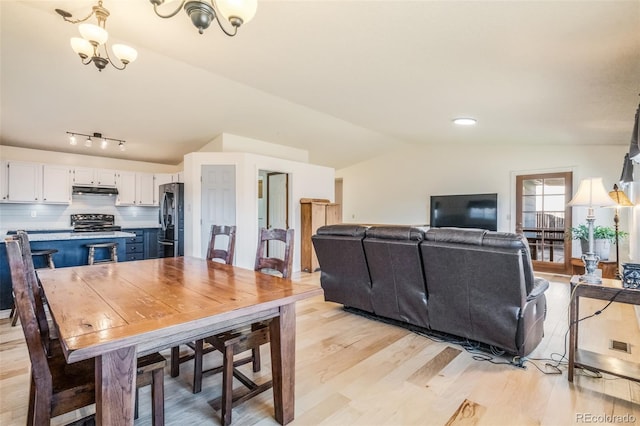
point(603, 236)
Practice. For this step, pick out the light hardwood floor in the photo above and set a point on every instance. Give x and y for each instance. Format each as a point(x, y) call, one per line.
point(351, 370)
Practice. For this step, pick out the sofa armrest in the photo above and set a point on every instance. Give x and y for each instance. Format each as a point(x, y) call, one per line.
point(540, 285)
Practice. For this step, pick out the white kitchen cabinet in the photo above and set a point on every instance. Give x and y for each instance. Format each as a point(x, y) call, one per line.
point(145, 189)
point(94, 177)
point(56, 184)
point(126, 189)
point(4, 177)
point(135, 189)
point(178, 177)
point(105, 177)
point(160, 179)
point(84, 176)
point(24, 183)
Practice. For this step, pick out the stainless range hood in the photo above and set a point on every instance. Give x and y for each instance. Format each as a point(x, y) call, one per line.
point(93, 190)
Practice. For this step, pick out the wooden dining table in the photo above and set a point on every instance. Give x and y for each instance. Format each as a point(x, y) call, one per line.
point(117, 312)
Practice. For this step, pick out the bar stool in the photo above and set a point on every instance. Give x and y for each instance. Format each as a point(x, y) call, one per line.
point(113, 251)
point(48, 257)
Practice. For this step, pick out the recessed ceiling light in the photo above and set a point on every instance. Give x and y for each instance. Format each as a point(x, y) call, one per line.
point(465, 121)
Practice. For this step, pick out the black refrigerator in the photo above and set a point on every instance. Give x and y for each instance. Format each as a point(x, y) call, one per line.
point(171, 235)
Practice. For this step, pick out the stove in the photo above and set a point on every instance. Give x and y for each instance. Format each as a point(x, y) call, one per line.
point(93, 222)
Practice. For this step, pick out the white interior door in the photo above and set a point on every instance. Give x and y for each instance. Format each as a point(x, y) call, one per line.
point(218, 199)
point(277, 208)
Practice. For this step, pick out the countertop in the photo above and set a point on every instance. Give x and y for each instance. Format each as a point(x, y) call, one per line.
point(58, 236)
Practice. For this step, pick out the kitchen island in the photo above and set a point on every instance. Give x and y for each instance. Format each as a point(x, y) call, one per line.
point(72, 251)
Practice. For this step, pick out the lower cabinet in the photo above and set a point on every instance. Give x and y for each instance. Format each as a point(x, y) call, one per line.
point(144, 245)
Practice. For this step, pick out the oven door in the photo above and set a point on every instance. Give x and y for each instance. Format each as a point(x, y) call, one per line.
point(166, 248)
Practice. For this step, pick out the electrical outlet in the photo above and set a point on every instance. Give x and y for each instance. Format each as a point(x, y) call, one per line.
point(34, 213)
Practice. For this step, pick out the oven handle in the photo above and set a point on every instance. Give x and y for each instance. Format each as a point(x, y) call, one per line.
point(165, 243)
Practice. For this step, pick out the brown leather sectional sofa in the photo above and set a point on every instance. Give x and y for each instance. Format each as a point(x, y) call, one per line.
point(471, 283)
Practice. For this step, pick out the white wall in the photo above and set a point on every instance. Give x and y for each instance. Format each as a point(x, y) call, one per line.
point(396, 188)
point(305, 181)
point(228, 142)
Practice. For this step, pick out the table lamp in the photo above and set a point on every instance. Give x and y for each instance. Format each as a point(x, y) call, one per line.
point(621, 200)
point(591, 193)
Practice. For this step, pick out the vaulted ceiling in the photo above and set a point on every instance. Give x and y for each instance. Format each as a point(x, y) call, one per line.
point(345, 80)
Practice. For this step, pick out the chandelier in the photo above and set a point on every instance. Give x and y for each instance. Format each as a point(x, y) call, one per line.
point(104, 141)
point(94, 37)
point(202, 12)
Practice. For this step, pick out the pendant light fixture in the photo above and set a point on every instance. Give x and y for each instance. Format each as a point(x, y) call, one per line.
point(94, 39)
point(203, 12)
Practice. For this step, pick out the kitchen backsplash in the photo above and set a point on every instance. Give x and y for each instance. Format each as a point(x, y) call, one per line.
point(54, 216)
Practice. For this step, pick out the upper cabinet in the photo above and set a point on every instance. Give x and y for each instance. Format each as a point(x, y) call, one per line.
point(56, 184)
point(136, 189)
point(177, 177)
point(94, 177)
point(160, 179)
point(26, 182)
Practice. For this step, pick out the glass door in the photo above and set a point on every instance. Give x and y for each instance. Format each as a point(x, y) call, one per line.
point(543, 217)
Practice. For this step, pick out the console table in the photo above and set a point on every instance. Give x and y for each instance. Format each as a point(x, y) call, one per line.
point(608, 290)
point(608, 267)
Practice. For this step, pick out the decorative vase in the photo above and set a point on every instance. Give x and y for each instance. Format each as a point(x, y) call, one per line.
point(631, 275)
point(601, 247)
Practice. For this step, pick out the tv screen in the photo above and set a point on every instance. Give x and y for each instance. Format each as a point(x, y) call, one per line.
point(465, 211)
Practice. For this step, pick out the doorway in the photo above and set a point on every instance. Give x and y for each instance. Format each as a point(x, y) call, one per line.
point(273, 205)
point(218, 200)
point(544, 218)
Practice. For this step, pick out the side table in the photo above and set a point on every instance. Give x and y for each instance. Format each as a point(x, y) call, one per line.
point(609, 290)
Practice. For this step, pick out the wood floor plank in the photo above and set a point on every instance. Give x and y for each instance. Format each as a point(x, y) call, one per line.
point(468, 414)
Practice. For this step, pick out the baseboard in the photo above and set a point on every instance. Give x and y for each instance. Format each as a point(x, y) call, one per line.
point(5, 313)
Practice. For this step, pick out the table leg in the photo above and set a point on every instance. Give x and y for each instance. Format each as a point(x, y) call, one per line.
point(573, 334)
point(115, 385)
point(283, 363)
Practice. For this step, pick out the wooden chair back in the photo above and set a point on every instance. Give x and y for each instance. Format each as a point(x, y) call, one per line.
point(36, 294)
point(224, 254)
point(40, 372)
point(264, 262)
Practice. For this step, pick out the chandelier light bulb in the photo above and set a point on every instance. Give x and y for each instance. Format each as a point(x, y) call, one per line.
point(72, 140)
point(82, 47)
point(121, 146)
point(125, 53)
point(104, 144)
point(244, 10)
point(93, 33)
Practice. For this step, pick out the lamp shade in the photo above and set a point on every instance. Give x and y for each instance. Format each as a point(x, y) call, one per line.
point(125, 53)
point(627, 170)
point(591, 193)
point(82, 47)
point(634, 148)
point(93, 33)
point(243, 9)
point(620, 198)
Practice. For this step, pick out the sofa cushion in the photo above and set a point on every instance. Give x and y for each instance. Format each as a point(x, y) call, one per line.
point(407, 233)
point(343, 229)
point(456, 235)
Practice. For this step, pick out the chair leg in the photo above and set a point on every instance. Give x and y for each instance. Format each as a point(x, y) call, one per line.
point(32, 402)
point(135, 404)
point(256, 359)
point(13, 315)
point(175, 361)
point(157, 398)
point(197, 366)
point(227, 386)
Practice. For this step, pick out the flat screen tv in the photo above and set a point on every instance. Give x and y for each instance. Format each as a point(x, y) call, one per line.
point(465, 211)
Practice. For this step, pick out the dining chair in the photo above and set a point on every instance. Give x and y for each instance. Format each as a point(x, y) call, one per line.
point(218, 233)
point(57, 387)
point(251, 338)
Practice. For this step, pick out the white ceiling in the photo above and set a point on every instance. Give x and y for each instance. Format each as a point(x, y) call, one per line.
point(345, 80)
